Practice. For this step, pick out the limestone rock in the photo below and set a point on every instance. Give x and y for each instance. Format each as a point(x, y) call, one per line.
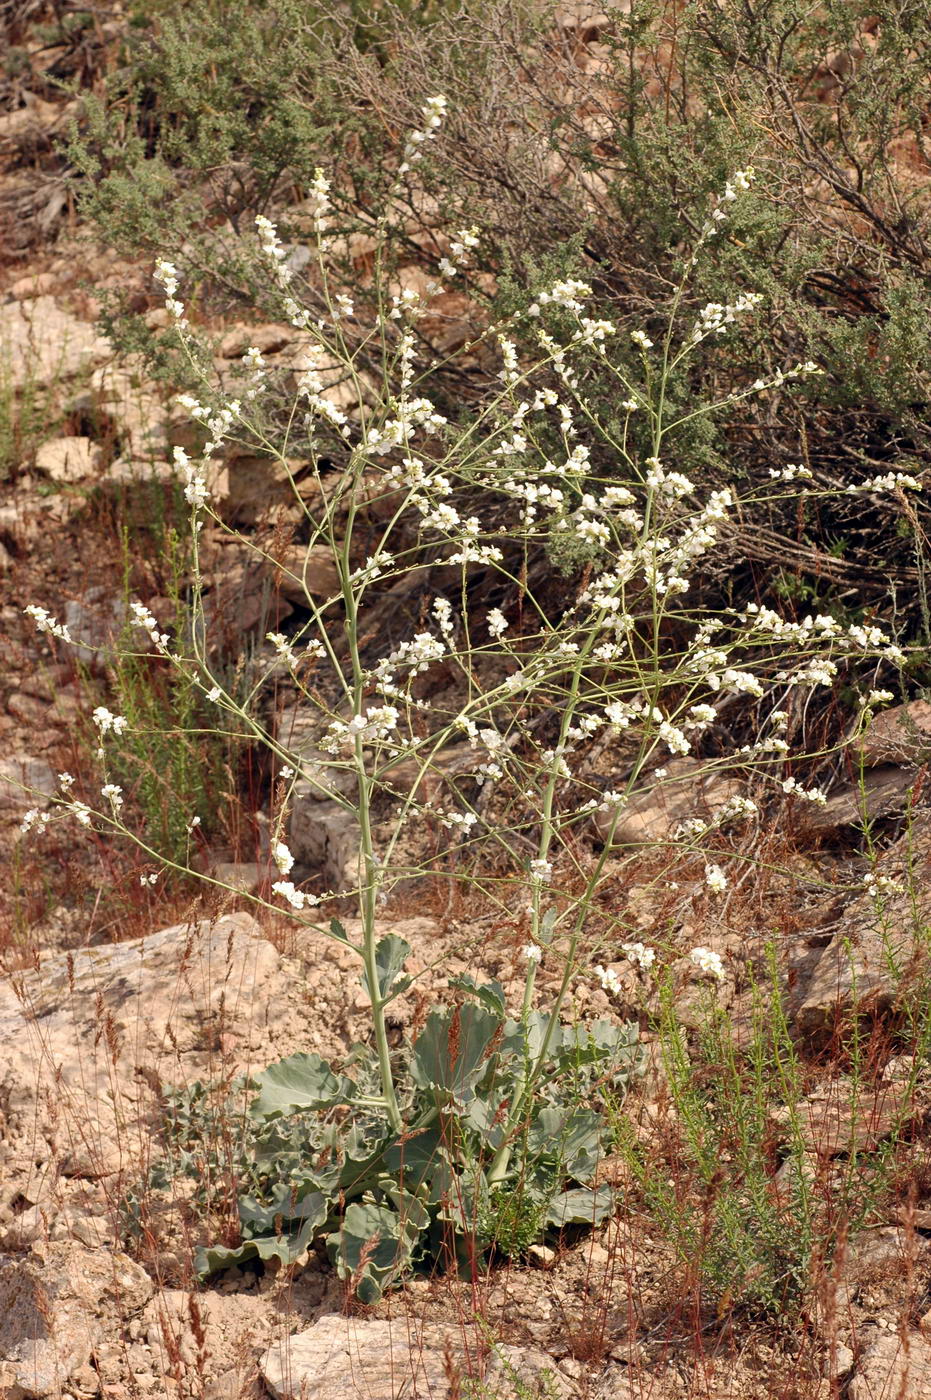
point(229, 1327)
point(691, 788)
point(886, 1251)
point(52, 1305)
point(135, 406)
point(865, 963)
point(347, 1358)
point(43, 343)
point(893, 1365)
point(326, 837)
point(25, 782)
point(899, 735)
point(69, 459)
point(87, 1023)
point(840, 1119)
point(96, 623)
point(310, 570)
point(882, 793)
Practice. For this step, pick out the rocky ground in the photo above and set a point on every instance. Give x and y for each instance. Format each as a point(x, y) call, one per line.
point(109, 997)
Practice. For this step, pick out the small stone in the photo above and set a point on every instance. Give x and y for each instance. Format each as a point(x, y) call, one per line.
point(541, 1256)
point(838, 1362)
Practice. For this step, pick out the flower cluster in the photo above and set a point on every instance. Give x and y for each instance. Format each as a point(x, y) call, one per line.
point(45, 622)
point(433, 112)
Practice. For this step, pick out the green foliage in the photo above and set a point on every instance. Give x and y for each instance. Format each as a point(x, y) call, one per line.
point(224, 111)
point(173, 762)
point(756, 1238)
point(385, 1200)
point(751, 1245)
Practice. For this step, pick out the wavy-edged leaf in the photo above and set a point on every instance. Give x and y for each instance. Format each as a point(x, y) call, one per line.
point(584, 1205)
point(287, 1248)
point(416, 1157)
point(391, 953)
point(285, 1205)
point(451, 1050)
point(372, 1248)
point(489, 994)
point(548, 926)
point(299, 1084)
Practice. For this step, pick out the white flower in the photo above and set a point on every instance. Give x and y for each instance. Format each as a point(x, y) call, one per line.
point(532, 952)
point(736, 807)
point(192, 824)
point(147, 621)
point(673, 738)
point(541, 872)
point(214, 693)
point(148, 879)
point(105, 721)
point(282, 857)
point(283, 648)
point(641, 339)
point(715, 879)
point(638, 953)
point(707, 961)
point(80, 811)
point(46, 623)
point(882, 884)
point(877, 697)
point(608, 979)
point(295, 897)
point(497, 622)
point(34, 818)
point(814, 795)
point(114, 794)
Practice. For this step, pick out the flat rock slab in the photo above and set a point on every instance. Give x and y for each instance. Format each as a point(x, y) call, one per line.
point(691, 788)
point(899, 735)
point(893, 1367)
point(846, 1118)
point(55, 1304)
point(348, 1358)
point(879, 947)
point(25, 782)
point(88, 1035)
point(44, 343)
point(69, 459)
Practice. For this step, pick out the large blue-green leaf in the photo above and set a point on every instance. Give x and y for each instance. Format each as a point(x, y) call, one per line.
point(490, 994)
point(285, 1204)
point(372, 1248)
point(287, 1248)
point(583, 1206)
point(391, 953)
point(416, 1157)
point(452, 1049)
point(299, 1084)
point(571, 1139)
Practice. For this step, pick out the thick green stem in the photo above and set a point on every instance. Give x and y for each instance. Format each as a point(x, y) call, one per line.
point(369, 895)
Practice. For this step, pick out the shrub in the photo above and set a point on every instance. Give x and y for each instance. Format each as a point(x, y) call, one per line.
point(484, 1102)
point(592, 153)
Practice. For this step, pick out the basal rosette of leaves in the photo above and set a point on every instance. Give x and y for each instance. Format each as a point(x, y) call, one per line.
point(387, 1201)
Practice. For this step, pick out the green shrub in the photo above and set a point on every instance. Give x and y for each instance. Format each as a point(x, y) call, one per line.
point(592, 161)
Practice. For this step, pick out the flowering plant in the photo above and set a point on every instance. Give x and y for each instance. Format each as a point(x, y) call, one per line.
point(533, 687)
